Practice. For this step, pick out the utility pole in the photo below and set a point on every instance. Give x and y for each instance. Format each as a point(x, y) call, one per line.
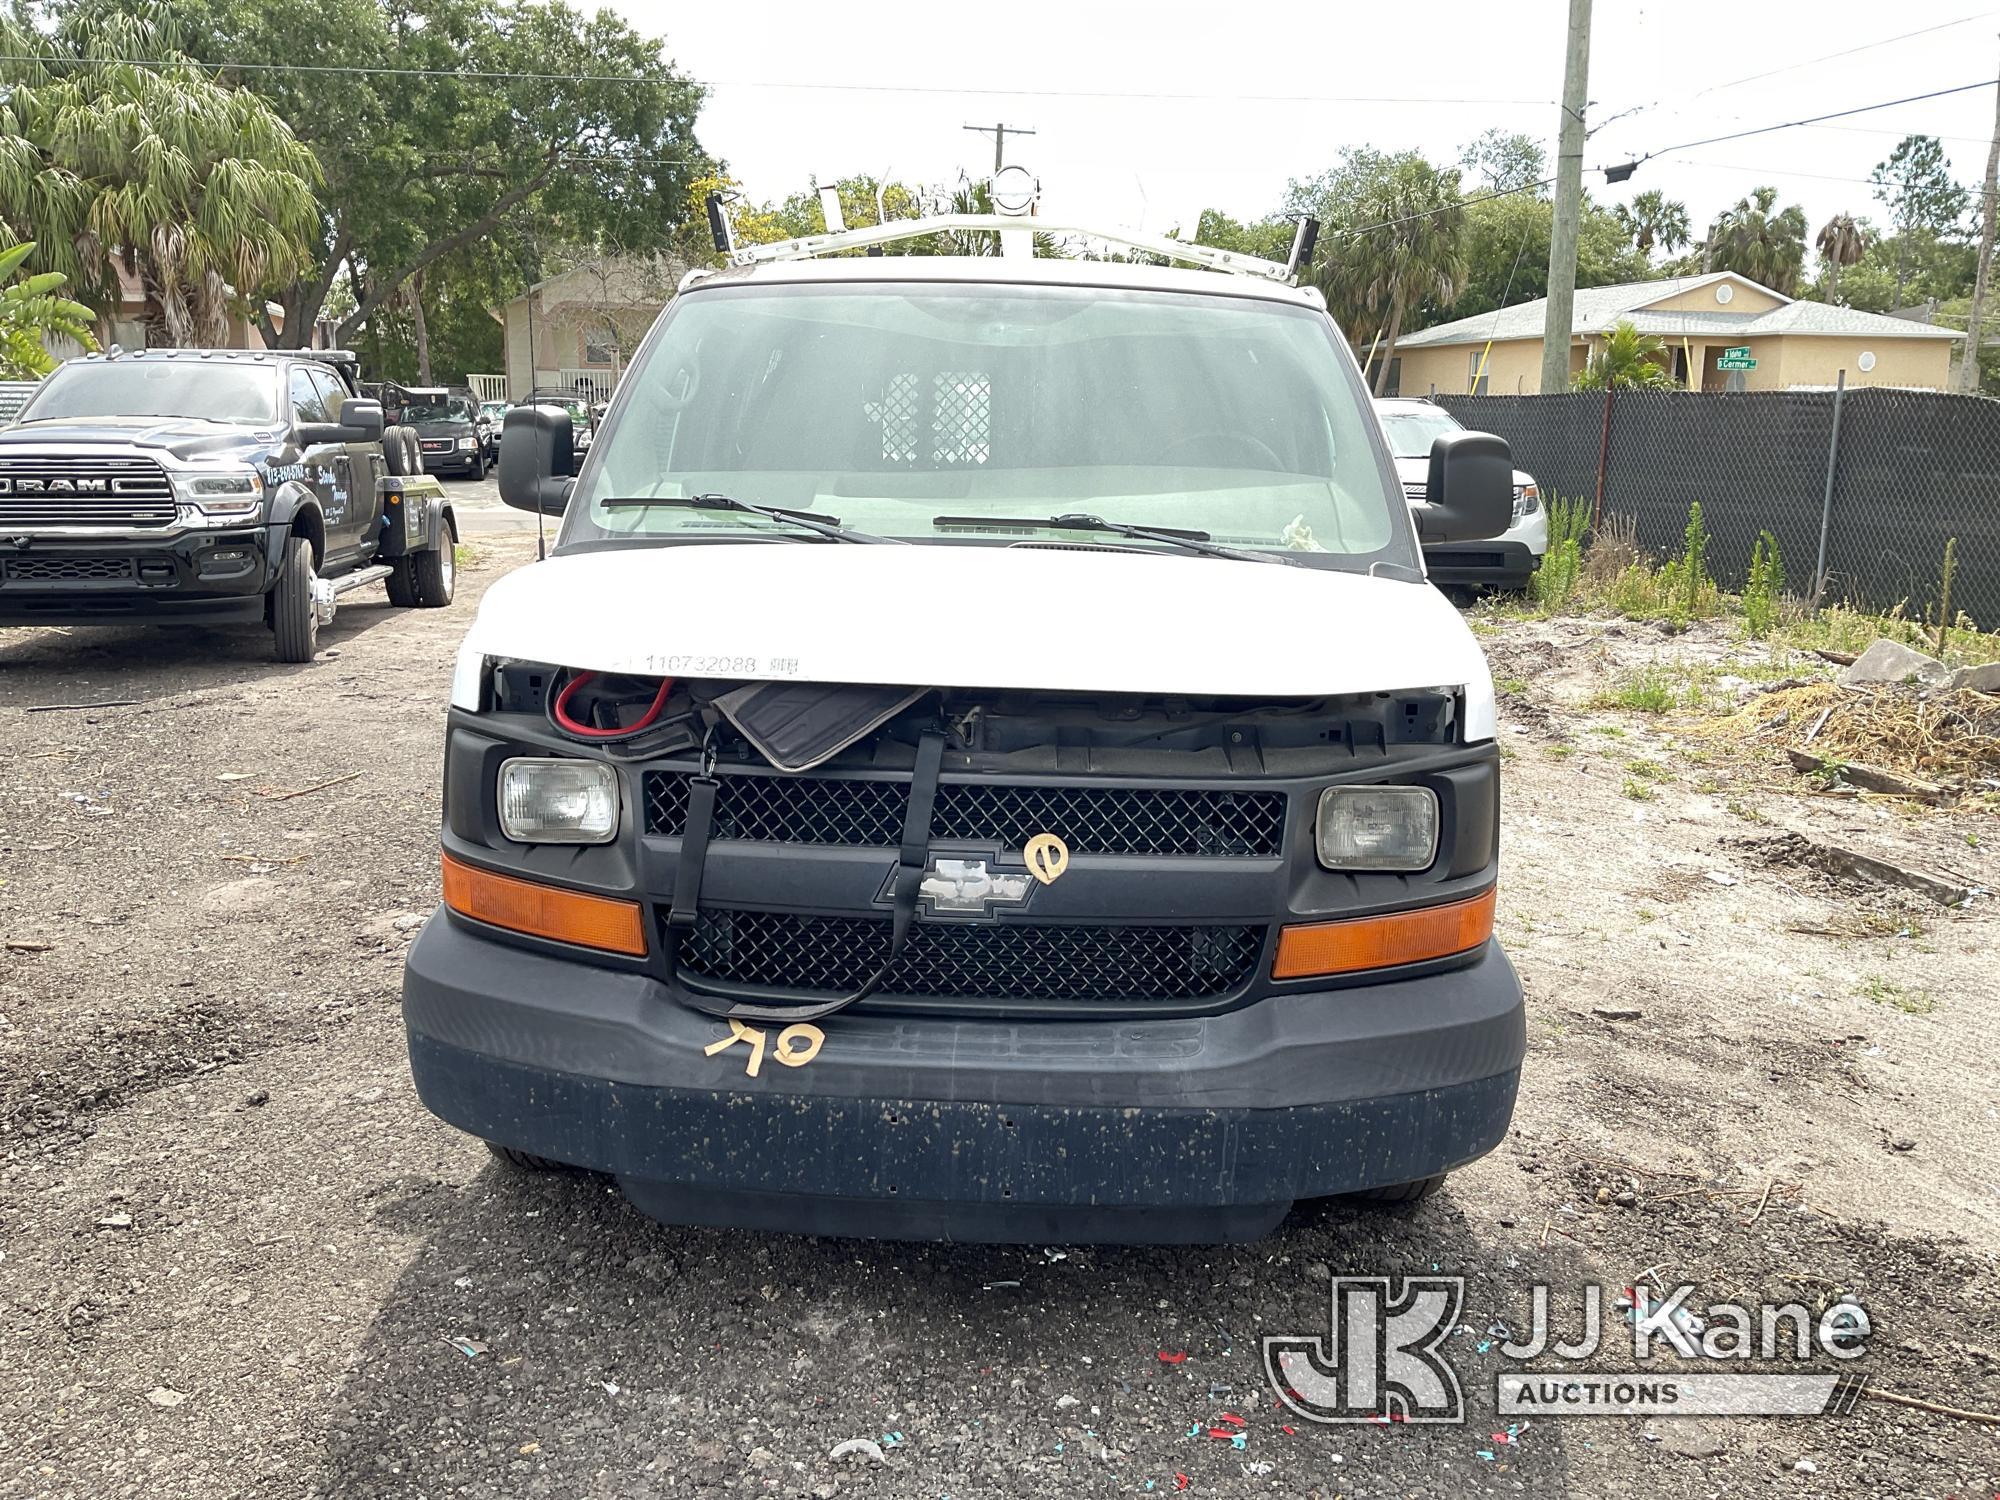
point(1569, 203)
point(1968, 372)
point(999, 134)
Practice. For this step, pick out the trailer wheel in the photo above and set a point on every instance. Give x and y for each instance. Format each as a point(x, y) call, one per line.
point(434, 573)
point(293, 621)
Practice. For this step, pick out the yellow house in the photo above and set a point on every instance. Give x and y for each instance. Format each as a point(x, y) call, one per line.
point(1706, 321)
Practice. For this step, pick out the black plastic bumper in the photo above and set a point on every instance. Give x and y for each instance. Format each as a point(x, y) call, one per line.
point(195, 577)
point(1187, 1129)
point(1504, 565)
point(455, 462)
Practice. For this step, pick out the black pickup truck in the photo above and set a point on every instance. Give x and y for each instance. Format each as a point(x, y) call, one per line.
point(209, 486)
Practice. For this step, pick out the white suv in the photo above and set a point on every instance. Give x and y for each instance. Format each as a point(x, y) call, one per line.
point(1507, 561)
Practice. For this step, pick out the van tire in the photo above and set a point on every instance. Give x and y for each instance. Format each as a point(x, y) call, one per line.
point(525, 1161)
point(1401, 1193)
point(292, 619)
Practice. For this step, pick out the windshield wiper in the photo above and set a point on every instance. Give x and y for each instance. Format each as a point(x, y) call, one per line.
point(826, 526)
point(1173, 536)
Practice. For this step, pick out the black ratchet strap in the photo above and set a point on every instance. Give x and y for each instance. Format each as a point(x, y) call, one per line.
point(911, 859)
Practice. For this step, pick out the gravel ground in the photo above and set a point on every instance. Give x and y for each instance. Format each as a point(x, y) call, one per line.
point(240, 1259)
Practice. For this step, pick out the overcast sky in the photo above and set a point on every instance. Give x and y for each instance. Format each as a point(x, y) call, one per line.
point(1267, 98)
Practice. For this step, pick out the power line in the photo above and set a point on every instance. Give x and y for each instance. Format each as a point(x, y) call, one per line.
point(1838, 114)
point(493, 75)
point(1716, 88)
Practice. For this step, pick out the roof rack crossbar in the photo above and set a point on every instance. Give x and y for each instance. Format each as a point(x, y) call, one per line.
point(808, 246)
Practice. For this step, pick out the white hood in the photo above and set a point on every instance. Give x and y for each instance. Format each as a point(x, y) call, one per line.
point(979, 617)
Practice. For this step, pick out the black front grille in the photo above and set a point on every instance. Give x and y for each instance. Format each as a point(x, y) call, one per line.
point(1090, 819)
point(84, 491)
point(67, 569)
point(974, 961)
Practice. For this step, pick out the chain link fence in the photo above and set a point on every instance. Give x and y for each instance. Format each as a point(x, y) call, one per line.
point(1909, 470)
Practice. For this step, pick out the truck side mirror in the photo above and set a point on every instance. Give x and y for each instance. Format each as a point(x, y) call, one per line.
point(537, 456)
point(360, 422)
point(1470, 490)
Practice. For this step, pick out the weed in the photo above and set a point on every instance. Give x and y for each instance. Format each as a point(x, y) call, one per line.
point(1609, 731)
point(1565, 751)
point(1888, 992)
point(1638, 791)
point(1650, 770)
point(1708, 786)
point(1648, 690)
point(1646, 914)
point(1510, 686)
point(1763, 587)
point(1745, 811)
point(1554, 582)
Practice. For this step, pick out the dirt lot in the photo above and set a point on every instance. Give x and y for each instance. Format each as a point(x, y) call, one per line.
point(237, 1252)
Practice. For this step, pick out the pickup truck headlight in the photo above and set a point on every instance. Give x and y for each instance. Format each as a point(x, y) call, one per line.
point(1527, 500)
point(466, 444)
point(558, 801)
point(1378, 827)
point(222, 492)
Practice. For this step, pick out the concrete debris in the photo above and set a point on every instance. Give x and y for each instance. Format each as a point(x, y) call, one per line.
point(1984, 678)
point(1891, 661)
point(866, 1448)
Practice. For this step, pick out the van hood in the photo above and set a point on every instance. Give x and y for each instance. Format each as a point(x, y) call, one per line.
point(978, 617)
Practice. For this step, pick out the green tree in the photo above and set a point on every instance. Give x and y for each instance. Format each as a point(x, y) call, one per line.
point(1507, 255)
point(538, 123)
point(1269, 237)
point(1841, 242)
point(1401, 243)
point(199, 190)
point(1506, 161)
point(1625, 359)
point(1654, 219)
point(31, 313)
point(1924, 201)
point(1758, 240)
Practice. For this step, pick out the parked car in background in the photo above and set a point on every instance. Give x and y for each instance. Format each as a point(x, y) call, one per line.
point(493, 414)
point(448, 430)
point(1508, 561)
point(208, 486)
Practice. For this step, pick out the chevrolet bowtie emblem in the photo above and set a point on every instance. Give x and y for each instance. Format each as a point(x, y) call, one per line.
point(1047, 857)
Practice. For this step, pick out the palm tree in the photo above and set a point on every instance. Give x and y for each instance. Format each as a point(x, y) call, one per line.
point(31, 314)
point(1625, 359)
point(1842, 242)
point(199, 191)
point(1408, 245)
point(1652, 219)
point(1753, 241)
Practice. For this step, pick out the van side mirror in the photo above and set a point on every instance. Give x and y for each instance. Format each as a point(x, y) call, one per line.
point(1470, 490)
point(537, 457)
point(360, 422)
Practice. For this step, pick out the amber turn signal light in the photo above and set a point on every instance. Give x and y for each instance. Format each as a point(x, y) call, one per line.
point(1403, 937)
point(544, 911)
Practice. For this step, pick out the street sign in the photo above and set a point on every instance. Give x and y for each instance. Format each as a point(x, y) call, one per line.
point(1735, 362)
point(1741, 351)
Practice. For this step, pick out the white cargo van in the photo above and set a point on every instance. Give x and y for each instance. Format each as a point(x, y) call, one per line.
point(981, 760)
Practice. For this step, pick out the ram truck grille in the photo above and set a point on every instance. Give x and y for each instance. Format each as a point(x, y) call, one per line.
point(974, 961)
point(67, 569)
point(124, 493)
point(866, 813)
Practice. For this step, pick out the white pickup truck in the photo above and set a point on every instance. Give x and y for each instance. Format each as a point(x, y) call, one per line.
point(980, 761)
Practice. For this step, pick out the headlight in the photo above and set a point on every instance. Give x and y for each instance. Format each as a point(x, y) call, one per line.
point(558, 801)
point(223, 492)
point(1378, 827)
point(1527, 500)
point(466, 444)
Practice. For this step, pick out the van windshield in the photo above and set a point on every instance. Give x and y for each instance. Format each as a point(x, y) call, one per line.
point(892, 404)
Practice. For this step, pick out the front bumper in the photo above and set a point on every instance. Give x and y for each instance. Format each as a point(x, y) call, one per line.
point(193, 577)
point(1197, 1128)
point(455, 462)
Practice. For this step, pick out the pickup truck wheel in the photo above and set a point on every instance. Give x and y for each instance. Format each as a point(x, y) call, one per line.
point(395, 452)
point(525, 1161)
point(402, 584)
point(435, 573)
point(292, 619)
point(1401, 1192)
